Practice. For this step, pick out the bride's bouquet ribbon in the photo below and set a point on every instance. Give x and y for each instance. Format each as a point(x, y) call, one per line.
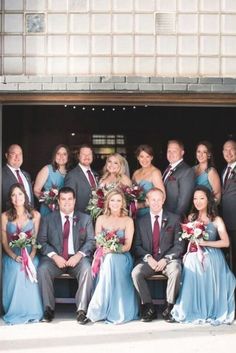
point(200, 253)
point(97, 259)
point(28, 266)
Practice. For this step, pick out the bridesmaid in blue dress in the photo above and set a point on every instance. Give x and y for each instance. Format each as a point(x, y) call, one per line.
point(21, 298)
point(147, 176)
point(114, 299)
point(52, 175)
point(207, 292)
point(205, 171)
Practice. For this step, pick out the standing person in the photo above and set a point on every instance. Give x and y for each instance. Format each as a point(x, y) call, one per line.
point(207, 292)
point(205, 171)
point(179, 180)
point(67, 240)
point(157, 249)
point(114, 172)
point(114, 299)
point(229, 197)
point(52, 175)
point(21, 297)
point(147, 176)
point(82, 179)
point(12, 173)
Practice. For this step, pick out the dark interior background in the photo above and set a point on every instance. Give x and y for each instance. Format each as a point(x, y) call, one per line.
point(38, 129)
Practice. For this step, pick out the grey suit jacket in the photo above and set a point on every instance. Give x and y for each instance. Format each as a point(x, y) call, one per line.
point(229, 201)
point(8, 179)
point(171, 247)
point(79, 183)
point(179, 189)
point(50, 235)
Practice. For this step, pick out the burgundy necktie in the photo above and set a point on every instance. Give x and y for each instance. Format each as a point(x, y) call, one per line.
point(66, 232)
point(19, 177)
point(155, 237)
point(227, 176)
point(166, 172)
point(91, 179)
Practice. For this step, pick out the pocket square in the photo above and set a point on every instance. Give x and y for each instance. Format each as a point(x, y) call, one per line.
point(171, 178)
point(169, 229)
point(82, 231)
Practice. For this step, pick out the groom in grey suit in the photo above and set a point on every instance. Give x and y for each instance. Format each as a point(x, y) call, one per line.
point(68, 243)
point(82, 179)
point(179, 180)
point(166, 259)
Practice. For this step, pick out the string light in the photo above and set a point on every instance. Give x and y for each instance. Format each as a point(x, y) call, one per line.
point(74, 107)
point(83, 108)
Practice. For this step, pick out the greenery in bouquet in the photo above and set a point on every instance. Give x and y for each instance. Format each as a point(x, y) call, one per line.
point(110, 240)
point(96, 202)
point(134, 193)
point(24, 239)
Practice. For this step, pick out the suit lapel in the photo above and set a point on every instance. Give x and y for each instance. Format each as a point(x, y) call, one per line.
point(11, 175)
point(59, 226)
point(83, 175)
point(75, 230)
point(149, 230)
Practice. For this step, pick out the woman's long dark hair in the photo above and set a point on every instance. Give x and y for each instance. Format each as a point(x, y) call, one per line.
point(11, 212)
point(54, 163)
point(208, 145)
point(211, 204)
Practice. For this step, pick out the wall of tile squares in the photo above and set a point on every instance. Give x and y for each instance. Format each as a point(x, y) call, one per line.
point(192, 38)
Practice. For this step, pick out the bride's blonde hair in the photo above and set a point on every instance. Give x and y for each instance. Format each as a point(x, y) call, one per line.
point(109, 195)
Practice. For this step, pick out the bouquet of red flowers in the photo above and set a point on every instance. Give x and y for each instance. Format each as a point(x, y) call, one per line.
point(96, 202)
point(49, 198)
point(133, 194)
point(194, 232)
point(22, 240)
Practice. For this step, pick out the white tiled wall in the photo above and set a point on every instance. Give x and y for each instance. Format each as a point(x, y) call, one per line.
point(119, 37)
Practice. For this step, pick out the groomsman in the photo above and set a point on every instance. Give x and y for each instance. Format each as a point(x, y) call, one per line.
point(229, 197)
point(68, 243)
point(12, 173)
point(179, 180)
point(157, 248)
point(82, 179)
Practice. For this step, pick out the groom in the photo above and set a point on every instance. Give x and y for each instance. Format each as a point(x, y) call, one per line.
point(67, 240)
point(157, 249)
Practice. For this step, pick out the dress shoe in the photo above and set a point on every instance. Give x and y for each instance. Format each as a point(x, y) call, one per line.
point(167, 313)
point(148, 313)
point(48, 314)
point(81, 317)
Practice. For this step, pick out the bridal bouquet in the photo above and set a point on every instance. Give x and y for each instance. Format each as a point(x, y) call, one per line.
point(22, 240)
point(96, 202)
point(109, 240)
point(49, 198)
point(194, 232)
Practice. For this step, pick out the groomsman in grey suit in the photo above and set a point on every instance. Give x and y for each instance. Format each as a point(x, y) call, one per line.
point(12, 173)
point(157, 249)
point(68, 243)
point(82, 179)
point(179, 180)
point(229, 197)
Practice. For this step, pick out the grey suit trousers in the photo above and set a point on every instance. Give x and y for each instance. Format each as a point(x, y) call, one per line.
point(172, 272)
point(47, 271)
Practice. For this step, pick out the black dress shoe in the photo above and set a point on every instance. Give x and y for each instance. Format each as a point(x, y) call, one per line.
point(166, 312)
point(48, 314)
point(148, 313)
point(81, 317)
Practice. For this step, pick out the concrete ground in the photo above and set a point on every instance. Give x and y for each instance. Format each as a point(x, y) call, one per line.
point(64, 334)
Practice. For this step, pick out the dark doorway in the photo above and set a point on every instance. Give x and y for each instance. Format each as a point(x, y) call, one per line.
point(39, 128)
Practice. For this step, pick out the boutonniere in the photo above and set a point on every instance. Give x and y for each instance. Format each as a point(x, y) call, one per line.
point(164, 221)
point(82, 231)
point(75, 220)
point(233, 172)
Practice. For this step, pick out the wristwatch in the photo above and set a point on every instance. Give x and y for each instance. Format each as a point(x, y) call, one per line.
point(145, 258)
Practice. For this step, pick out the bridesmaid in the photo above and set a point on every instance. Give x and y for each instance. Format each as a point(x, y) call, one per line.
point(52, 175)
point(205, 171)
point(114, 172)
point(114, 299)
point(21, 298)
point(147, 176)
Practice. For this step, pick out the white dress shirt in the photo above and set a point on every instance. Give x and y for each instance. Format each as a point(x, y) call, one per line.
point(85, 171)
point(25, 181)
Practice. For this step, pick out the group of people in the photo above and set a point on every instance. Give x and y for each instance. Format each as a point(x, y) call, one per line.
point(198, 290)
